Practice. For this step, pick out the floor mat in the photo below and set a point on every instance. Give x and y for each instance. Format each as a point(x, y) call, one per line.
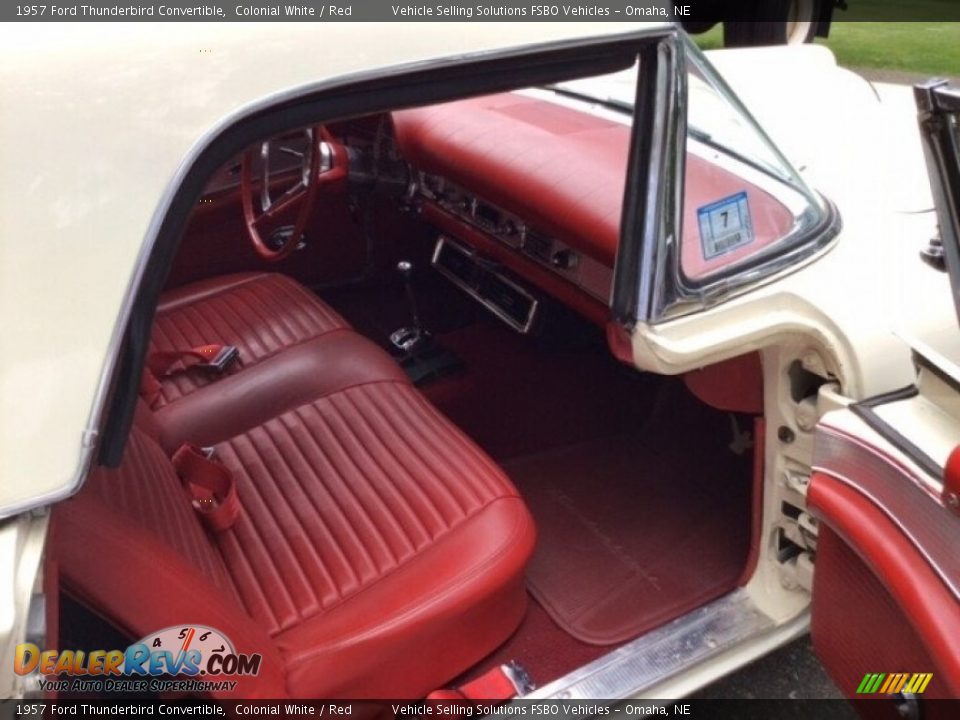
point(542, 647)
point(640, 528)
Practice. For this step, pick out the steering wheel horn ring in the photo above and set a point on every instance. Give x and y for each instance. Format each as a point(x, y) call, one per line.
point(325, 161)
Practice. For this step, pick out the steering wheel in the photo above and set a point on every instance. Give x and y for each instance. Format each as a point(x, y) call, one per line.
point(267, 219)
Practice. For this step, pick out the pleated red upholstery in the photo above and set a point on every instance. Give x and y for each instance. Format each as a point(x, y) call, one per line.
point(146, 487)
point(343, 491)
point(261, 313)
point(131, 546)
point(382, 549)
point(378, 552)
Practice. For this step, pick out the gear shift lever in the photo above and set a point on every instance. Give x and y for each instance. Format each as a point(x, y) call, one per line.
point(407, 339)
point(405, 268)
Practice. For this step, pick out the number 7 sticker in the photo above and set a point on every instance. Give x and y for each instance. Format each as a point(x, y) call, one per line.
point(725, 225)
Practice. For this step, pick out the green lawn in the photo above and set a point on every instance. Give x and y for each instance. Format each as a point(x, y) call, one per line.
point(920, 47)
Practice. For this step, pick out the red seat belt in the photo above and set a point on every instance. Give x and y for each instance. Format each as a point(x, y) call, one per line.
point(501, 683)
point(163, 363)
point(211, 486)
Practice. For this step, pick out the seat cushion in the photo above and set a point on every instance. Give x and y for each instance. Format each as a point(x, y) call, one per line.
point(260, 313)
point(378, 552)
point(130, 546)
point(381, 549)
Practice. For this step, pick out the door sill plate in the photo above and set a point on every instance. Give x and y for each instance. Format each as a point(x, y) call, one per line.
point(663, 653)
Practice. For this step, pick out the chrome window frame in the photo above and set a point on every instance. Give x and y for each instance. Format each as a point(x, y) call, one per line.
point(938, 108)
point(649, 284)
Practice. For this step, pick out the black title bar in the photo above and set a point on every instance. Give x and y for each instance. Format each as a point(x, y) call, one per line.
point(693, 12)
point(38, 709)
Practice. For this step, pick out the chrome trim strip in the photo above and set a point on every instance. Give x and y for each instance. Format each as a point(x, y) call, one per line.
point(910, 501)
point(326, 160)
point(665, 652)
point(265, 201)
point(89, 435)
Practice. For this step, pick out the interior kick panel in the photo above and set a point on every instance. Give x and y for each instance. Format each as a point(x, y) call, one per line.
point(734, 385)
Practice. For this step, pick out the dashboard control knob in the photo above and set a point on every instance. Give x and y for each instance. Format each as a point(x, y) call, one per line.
point(564, 259)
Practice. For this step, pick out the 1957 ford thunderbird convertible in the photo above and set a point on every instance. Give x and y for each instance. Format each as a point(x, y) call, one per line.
point(472, 365)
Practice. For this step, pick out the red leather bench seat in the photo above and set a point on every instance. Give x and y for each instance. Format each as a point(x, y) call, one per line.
point(261, 313)
point(378, 551)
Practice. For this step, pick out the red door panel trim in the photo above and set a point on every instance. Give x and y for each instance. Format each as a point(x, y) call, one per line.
point(910, 502)
point(926, 601)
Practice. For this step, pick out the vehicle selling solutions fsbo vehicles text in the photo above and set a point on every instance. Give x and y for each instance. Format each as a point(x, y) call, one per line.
point(200, 11)
point(534, 11)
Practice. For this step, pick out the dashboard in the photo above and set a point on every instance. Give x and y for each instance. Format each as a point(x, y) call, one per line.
point(524, 193)
point(535, 185)
point(513, 232)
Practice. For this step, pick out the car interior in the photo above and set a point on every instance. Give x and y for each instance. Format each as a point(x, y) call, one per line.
point(383, 436)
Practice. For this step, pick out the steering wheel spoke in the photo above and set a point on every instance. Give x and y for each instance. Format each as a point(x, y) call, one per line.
point(282, 204)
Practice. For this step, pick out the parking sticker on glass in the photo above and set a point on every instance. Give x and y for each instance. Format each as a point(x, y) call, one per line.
point(725, 225)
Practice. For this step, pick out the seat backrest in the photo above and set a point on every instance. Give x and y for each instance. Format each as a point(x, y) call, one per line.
point(131, 546)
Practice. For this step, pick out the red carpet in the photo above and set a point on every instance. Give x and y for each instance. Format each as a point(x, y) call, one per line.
point(517, 398)
point(640, 528)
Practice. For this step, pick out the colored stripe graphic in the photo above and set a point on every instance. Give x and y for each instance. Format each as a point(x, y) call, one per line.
point(898, 685)
point(870, 683)
point(893, 683)
point(918, 683)
point(890, 680)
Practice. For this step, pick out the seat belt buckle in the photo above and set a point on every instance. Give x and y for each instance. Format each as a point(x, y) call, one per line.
point(518, 675)
point(227, 355)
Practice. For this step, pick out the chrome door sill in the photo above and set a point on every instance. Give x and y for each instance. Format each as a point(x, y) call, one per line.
point(651, 659)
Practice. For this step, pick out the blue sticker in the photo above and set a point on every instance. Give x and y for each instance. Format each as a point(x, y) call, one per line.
point(725, 225)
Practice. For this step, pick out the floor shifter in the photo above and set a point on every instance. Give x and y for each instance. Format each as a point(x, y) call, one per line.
point(409, 339)
point(420, 356)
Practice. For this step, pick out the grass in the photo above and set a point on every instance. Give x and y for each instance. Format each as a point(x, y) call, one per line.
point(915, 47)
